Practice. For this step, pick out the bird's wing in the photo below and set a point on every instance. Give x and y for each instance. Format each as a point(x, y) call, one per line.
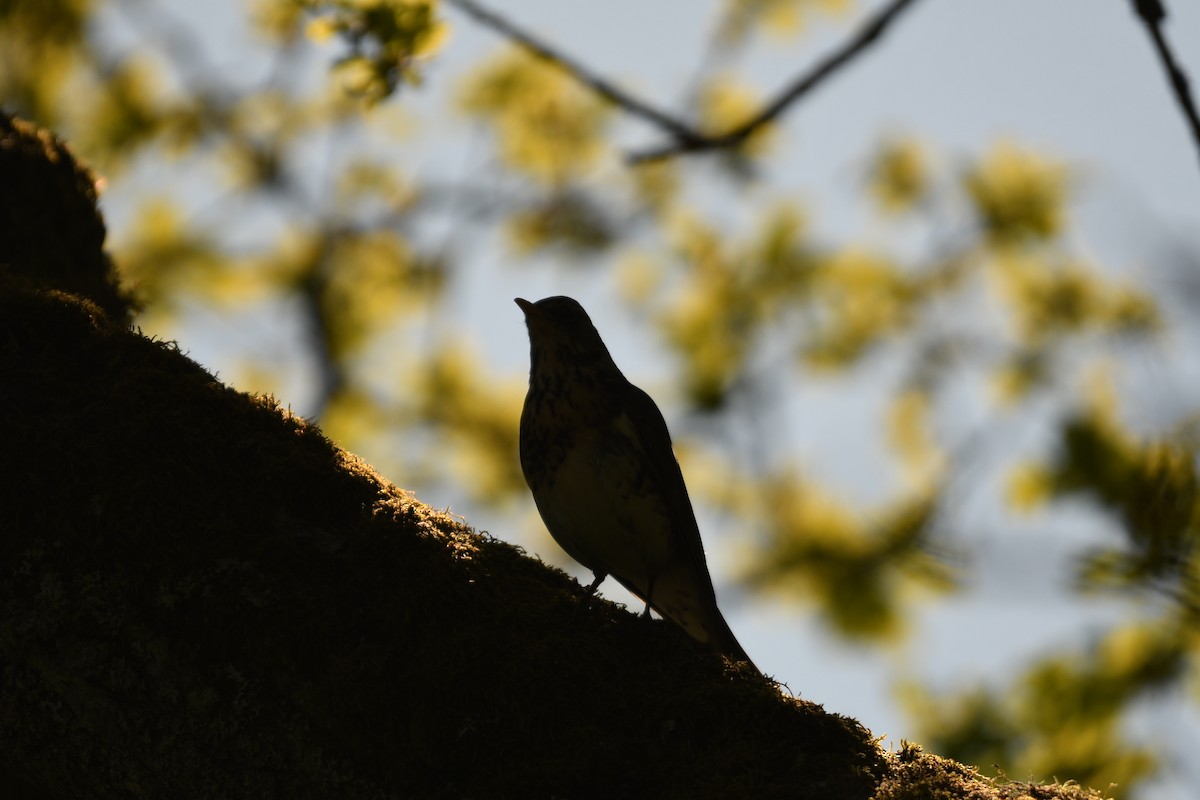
point(655, 439)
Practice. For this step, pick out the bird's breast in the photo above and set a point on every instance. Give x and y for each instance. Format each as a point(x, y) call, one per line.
point(589, 478)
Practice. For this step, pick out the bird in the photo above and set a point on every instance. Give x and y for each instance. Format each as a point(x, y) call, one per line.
point(597, 455)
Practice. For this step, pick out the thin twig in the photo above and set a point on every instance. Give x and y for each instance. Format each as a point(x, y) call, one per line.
point(581, 73)
point(1152, 13)
point(866, 36)
point(684, 137)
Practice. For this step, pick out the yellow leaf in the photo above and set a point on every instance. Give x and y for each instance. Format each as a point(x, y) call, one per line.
point(321, 29)
point(899, 176)
point(1019, 195)
point(1029, 487)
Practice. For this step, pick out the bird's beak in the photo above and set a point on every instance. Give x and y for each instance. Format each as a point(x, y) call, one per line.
point(526, 306)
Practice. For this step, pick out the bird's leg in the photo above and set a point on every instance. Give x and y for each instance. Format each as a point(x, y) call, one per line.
point(649, 594)
point(600, 576)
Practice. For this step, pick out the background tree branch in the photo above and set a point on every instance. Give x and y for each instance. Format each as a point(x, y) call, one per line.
point(1152, 13)
point(686, 138)
point(869, 34)
point(600, 85)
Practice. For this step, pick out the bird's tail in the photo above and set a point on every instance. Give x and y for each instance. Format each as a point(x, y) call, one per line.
point(678, 597)
point(721, 638)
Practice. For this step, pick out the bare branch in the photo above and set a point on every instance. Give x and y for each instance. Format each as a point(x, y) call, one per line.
point(601, 86)
point(685, 138)
point(698, 142)
point(1152, 13)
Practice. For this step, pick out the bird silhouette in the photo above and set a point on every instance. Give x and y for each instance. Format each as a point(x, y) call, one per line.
point(597, 456)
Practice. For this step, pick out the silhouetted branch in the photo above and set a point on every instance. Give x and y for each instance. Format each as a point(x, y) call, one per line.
point(596, 83)
point(685, 138)
point(1152, 13)
point(699, 142)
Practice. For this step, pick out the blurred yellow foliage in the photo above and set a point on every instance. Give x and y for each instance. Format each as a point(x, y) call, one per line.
point(1133, 650)
point(363, 182)
point(856, 565)
point(781, 18)
point(725, 489)
point(911, 438)
point(566, 220)
point(128, 111)
point(1152, 488)
point(864, 297)
point(656, 185)
point(724, 104)
point(700, 321)
point(549, 127)
point(164, 257)
point(279, 20)
point(694, 325)
point(1030, 486)
point(1050, 298)
point(41, 40)
point(1064, 715)
point(321, 29)
point(1019, 196)
point(353, 415)
point(1018, 375)
point(726, 295)
point(778, 258)
point(386, 38)
point(639, 277)
point(899, 177)
point(368, 286)
point(478, 415)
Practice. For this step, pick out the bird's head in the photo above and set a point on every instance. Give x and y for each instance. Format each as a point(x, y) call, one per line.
point(559, 328)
